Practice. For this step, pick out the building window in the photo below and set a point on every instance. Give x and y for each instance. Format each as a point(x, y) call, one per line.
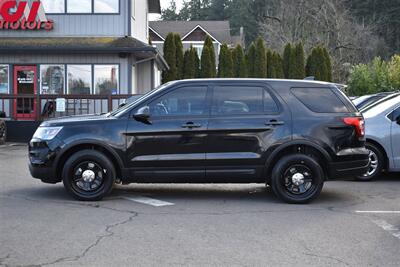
point(106, 80)
point(54, 6)
point(199, 49)
point(79, 79)
point(4, 70)
point(106, 6)
point(79, 6)
point(52, 79)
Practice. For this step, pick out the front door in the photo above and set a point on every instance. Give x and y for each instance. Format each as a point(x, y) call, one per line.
point(246, 120)
point(25, 82)
point(170, 147)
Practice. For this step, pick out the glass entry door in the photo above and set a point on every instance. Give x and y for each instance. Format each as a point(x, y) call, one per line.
point(25, 82)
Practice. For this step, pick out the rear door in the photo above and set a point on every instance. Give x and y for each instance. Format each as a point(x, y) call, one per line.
point(246, 119)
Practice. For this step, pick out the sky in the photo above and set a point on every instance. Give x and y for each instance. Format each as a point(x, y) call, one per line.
point(164, 5)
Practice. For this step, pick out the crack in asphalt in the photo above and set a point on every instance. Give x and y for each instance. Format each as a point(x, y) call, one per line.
point(108, 231)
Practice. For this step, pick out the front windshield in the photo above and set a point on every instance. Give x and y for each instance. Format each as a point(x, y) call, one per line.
point(127, 107)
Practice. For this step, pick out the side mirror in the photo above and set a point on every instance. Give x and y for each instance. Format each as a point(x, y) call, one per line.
point(143, 114)
point(121, 105)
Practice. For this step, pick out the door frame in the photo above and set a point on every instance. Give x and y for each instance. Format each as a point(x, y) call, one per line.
point(17, 68)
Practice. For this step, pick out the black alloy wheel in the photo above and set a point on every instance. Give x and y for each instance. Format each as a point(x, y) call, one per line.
point(88, 175)
point(297, 179)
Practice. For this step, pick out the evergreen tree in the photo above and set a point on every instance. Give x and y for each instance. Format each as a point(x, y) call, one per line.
point(270, 63)
point(179, 56)
point(278, 62)
point(251, 59)
point(189, 66)
point(170, 58)
point(207, 67)
point(196, 59)
point(287, 54)
point(260, 68)
point(239, 63)
point(316, 64)
point(299, 67)
point(225, 62)
point(328, 63)
point(208, 43)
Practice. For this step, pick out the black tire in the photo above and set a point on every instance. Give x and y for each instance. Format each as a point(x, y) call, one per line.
point(288, 169)
point(376, 166)
point(3, 132)
point(83, 165)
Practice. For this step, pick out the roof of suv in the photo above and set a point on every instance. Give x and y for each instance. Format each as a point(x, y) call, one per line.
point(304, 82)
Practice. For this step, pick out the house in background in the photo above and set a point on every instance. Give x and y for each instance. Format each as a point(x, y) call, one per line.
point(194, 33)
point(69, 57)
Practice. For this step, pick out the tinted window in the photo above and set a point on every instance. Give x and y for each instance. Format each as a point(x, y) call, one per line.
point(231, 100)
point(321, 100)
point(395, 114)
point(184, 101)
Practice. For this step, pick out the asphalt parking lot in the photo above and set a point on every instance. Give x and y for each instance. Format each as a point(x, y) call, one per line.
point(350, 224)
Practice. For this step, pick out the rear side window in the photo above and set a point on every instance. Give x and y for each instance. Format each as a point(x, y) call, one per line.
point(320, 100)
point(235, 100)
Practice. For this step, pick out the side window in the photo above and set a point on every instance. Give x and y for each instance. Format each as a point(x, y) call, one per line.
point(320, 100)
point(395, 114)
point(235, 100)
point(184, 101)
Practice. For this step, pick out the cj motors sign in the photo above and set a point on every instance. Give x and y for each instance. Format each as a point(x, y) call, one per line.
point(23, 16)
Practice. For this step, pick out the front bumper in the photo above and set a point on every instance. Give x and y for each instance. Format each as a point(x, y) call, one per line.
point(349, 163)
point(42, 157)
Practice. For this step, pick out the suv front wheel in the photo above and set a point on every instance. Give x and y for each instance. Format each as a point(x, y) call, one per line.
point(297, 179)
point(88, 175)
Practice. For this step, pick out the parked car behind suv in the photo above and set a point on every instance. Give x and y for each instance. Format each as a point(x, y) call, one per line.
point(292, 135)
point(383, 136)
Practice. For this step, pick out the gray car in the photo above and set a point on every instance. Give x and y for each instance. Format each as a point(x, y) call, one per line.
point(382, 126)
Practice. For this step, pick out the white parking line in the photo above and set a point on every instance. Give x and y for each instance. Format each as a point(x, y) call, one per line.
point(388, 227)
point(149, 201)
point(379, 211)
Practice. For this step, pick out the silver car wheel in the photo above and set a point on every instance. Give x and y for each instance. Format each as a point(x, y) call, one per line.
point(374, 163)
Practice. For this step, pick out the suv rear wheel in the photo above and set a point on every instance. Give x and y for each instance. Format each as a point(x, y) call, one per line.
point(297, 179)
point(376, 163)
point(88, 175)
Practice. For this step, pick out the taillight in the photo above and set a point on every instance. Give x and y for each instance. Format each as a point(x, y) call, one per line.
point(358, 123)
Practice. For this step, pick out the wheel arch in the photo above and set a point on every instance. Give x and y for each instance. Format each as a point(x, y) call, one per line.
point(92, 145)
point(299, 147)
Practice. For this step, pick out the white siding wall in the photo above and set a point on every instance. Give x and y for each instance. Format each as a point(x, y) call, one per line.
point(139, 20)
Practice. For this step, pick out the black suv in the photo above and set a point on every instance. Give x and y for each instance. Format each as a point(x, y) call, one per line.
point(292, 135)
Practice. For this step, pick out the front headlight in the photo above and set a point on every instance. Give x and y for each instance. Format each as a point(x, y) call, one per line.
point(47, 133)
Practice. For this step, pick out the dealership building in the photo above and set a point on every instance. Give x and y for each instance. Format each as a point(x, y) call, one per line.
point(68, 57)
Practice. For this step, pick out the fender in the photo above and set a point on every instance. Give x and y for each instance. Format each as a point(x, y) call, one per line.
point(105, 146)
point(283, 146)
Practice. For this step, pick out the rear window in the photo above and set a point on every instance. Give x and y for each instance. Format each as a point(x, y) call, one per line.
point(320, 100)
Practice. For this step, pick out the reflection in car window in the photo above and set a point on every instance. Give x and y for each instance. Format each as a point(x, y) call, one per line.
point(234, 100)
point(320, 100)
point(180, 102)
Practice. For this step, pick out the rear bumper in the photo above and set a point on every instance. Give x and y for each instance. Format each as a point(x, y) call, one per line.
point(350, 163)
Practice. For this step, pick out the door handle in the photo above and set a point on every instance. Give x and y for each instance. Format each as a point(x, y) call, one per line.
point(274, 123)
point(191, 125)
